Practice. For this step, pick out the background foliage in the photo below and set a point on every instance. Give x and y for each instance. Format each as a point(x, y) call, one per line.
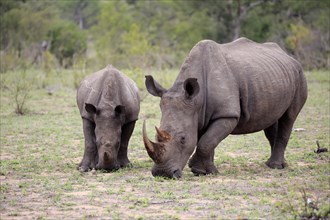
point(158, 34)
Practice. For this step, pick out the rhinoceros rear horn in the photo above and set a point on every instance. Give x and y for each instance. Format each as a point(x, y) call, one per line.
point(155, 150)
point(163, 136)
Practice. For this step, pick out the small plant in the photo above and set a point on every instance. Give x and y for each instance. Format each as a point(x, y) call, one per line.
point(311, 209)
point(144, 202)
point(20, 86)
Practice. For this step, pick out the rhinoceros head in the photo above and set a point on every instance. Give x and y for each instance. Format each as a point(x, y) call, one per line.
point(108, 121)
point(177, 136)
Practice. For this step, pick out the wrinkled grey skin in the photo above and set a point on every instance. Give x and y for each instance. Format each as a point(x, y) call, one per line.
point(235, 88)
point(109, 105)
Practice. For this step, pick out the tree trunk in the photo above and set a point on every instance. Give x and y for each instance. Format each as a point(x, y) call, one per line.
point(242, 11)
point(237, 28)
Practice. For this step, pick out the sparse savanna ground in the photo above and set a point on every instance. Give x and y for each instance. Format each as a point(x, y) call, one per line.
point(41, 149)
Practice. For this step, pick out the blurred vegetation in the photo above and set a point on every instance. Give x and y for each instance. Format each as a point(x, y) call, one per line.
point(145, 34)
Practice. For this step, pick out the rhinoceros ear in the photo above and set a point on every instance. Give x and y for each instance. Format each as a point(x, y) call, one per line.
point(90, 108)
point(191, 87)
point(153, 87)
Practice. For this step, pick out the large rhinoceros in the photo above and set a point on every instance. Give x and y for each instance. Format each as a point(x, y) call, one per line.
point(235, 88)
point(109, 105)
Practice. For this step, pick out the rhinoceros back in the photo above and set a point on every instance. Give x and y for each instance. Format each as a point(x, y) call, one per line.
point(108, 87)
point(268, 80)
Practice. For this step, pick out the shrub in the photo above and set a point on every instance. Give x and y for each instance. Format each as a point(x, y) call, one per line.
point(19, 85)
point(67, 40)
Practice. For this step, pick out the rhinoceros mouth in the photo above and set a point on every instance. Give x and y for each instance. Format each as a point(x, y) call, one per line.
point(106, 168)
point(107, 163)
point(156, 151)
point(168, 173)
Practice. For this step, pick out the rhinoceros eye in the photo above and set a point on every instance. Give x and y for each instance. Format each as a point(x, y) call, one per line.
point(183, 140)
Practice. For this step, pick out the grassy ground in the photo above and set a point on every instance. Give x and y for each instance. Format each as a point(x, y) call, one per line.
point(40, 152)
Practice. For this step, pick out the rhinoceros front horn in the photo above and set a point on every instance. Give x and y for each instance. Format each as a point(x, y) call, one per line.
point(155, 150)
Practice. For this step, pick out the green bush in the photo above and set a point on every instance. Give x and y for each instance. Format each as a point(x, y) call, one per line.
point(20, 85)
point(67, 40)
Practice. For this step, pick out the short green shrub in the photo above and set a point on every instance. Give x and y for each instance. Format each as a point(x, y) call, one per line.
point(20, 84)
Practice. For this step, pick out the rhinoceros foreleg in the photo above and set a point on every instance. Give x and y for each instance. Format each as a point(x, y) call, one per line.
point(202, 162)
point(126, 134)
point(90, 157)
point(278, 135)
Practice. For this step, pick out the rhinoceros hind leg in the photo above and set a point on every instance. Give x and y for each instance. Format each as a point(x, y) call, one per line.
point(278, 136)
point(271, 134)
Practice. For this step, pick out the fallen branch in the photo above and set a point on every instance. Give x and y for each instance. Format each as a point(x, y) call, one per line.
point(161, 202)
point(320, 149)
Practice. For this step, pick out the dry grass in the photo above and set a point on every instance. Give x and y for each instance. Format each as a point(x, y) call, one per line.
point(40, 152)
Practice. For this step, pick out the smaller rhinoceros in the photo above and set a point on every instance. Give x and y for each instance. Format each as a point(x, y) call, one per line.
point(109, 105)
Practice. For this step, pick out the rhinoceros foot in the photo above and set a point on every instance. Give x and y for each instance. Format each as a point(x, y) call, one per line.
point(276, 164)
point(83, 168)
point(124, 163)
point(86, 166)
point(202, 166)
